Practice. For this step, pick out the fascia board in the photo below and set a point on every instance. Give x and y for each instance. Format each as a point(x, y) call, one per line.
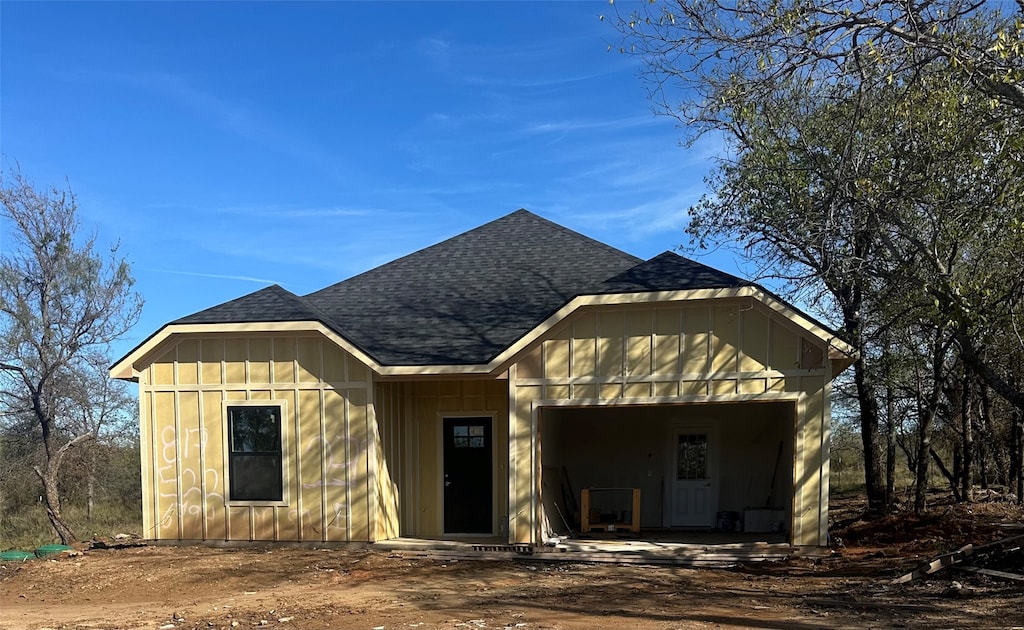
point(126, 368)
point(839, 351)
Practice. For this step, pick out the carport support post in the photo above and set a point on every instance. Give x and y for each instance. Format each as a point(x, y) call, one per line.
point(521, 477)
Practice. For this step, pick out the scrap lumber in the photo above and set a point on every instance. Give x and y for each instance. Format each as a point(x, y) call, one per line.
point(940, 562)
point(1006, 544)
point(956, 558)
point(1005, 575)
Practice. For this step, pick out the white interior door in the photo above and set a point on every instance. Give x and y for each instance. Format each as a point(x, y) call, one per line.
point(694, 495)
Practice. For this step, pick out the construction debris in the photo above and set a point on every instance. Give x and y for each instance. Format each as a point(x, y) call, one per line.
point(956, 558)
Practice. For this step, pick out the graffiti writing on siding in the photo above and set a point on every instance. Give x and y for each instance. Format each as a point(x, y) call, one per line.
point(173, 471)
point(335, 468)
point(193, 444)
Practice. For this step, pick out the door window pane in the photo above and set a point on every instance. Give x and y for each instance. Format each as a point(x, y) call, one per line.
point(692, 457)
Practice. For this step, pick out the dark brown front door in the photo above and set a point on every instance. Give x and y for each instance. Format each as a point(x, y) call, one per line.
point(468, 500)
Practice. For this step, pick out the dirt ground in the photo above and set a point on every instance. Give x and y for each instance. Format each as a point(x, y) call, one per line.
point(166, 587)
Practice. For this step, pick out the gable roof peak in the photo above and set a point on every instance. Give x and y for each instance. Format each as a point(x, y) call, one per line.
point(272, 303)
point(669, 271)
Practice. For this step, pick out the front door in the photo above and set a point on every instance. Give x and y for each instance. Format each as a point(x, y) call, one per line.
point(693, 489)
point(468, 503)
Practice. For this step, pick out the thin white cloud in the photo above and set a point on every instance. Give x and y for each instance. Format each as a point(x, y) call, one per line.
point(438, 51)
point(563, 126)
point(508, 82)
point(218, 276)
point(278, 212)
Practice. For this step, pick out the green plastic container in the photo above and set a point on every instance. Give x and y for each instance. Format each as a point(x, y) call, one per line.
point(16, 556)
point(47, 551)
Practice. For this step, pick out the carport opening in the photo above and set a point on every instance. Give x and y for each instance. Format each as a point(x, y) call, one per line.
point(725, 468)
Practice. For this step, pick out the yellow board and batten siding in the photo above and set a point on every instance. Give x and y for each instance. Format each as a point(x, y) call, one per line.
point(411, 415)
point(684, 352)
point(333, 473)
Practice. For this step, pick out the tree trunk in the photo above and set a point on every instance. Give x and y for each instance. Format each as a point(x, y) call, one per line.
point(967, 438)
point(50, 475)
point(924, 449)
point(51, 496)
point(874, 474)
point(927, 410)
point(90, 485)
point(945, 473)
point(996, 448)
point(890, 449)
point(1017, 453)
point(958, 468)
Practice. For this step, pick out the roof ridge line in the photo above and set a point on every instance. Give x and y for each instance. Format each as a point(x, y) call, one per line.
point(578, 235)
point(309, 305)
point(583, 238)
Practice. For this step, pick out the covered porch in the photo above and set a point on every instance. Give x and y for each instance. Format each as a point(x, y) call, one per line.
point(700, 473)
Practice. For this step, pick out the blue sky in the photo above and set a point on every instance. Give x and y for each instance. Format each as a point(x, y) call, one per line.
point(232, 145)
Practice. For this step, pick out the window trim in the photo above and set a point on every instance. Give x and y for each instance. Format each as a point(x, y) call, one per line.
point(285, 451)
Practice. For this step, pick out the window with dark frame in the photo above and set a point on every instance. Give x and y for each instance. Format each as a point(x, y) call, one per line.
point(254, 453)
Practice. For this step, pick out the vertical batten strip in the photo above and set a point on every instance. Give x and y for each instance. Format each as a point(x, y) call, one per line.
point(798, 467)
point(373, 504)
point(154, 472)
point(709, 344)
point(348, 470)
point(571, 359)
point(224, 455)
point(652, 360)
point(273, 360)
point(741, 327)
point(272, 378)
point(535, 474)
point(624, 354)
point(826, 455)
point(323, 467)
point(202, 461)
point(680, 345)
point(179, 508)
point(513, 472)
point(177, 464)
point(296, 445)
point(203, 432)
point(320, 419)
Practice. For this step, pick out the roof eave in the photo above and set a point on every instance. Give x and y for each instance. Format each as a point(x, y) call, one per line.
point(127, 368)
point(840, 353)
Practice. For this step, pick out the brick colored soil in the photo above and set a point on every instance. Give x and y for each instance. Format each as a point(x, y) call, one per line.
point(202, 587)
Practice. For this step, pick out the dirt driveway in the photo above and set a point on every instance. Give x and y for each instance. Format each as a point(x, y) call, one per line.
point(201, 587)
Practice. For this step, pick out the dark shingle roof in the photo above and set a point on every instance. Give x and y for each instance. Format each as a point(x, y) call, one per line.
point(670, 272)
point(270, 304)
point(466, 299)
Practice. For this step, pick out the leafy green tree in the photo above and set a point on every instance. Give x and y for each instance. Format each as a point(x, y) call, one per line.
point(701, 56)
point(61, 305)
point(873, 161)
